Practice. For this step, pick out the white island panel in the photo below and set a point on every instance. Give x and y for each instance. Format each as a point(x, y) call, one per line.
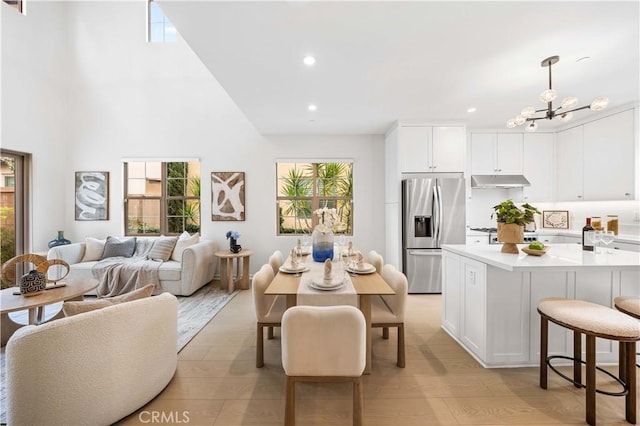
point(490, 298)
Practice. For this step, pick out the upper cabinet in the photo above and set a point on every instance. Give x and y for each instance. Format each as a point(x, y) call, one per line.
point(426, 149)
point(609, 158)
point(538, 169)
point(496, 153)
point(596, 161)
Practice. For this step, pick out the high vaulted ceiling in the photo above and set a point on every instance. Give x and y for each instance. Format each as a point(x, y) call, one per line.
point(378, 62)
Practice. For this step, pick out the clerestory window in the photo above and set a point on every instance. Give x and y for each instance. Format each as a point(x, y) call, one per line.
point(304, 188)
point(159, 27)
point(162, 198)
point(19, 5)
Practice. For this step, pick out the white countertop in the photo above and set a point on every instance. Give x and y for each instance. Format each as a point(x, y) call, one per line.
point(559, 257)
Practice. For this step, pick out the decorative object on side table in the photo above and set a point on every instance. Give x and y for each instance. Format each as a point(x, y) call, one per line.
point(322, 237)
point(233, 236)
point(33, 283)
point(59, 241)
point(511, 221)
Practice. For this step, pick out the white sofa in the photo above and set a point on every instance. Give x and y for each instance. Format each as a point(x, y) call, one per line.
point(92, 368)
point(197, 268)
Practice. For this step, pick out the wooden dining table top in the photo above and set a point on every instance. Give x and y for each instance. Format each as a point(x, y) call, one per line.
point(364, 284)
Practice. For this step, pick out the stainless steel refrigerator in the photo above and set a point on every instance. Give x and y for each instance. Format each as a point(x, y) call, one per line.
point(433, 214)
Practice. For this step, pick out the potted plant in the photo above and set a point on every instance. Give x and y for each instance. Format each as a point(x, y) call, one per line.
point(511, 221)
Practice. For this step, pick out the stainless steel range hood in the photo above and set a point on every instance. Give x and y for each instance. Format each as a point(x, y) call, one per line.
point(499, 181)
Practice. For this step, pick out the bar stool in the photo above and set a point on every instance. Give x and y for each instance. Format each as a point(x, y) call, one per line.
point(593, 321)
point(630, 306)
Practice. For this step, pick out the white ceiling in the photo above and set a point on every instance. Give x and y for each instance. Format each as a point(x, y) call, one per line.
point(378, 62)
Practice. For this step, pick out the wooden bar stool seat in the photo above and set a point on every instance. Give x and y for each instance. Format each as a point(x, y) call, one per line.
point(593, 321)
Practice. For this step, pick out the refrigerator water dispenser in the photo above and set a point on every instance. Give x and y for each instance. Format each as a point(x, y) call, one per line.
point(422, 226)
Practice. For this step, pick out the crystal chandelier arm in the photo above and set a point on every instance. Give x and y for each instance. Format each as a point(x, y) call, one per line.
point(571, 110)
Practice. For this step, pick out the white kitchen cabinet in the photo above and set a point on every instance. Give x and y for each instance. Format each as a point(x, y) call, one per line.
point(617, 245)
point(569, 165)
point(539, 167)
point(477, 239)
point(609, 158)
point(426, 149)
point(497, 153)
point(596, 161)
point(550, 239)
point(451, 296)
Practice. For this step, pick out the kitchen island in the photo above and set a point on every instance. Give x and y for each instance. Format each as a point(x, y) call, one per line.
point(489, 298)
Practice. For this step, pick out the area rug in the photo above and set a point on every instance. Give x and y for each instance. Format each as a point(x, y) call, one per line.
point(194, 313)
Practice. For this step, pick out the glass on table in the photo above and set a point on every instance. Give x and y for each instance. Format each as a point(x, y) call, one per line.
point(597, 238)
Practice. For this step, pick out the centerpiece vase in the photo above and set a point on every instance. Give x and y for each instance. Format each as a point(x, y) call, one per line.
point(234, 247)
point(322, 243)
point(510, 234)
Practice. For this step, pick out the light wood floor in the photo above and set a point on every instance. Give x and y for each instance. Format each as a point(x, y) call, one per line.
point(218, 384)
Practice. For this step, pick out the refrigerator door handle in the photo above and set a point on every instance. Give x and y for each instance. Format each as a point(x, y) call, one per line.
point(437, 204)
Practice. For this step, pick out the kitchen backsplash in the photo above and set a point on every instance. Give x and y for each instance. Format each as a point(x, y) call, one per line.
point(480, 207)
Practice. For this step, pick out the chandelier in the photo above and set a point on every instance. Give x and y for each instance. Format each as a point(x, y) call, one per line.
point(564, 112)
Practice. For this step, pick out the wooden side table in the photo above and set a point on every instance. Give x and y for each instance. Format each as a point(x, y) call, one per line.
point(226, 268)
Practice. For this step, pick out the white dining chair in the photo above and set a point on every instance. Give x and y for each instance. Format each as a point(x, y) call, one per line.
point(388, 311)
point(276, 260)
point(323, 344)
point(268, 309)
point(376, 260)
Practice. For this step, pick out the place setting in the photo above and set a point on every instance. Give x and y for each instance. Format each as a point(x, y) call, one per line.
point(328, 280)
point(295, 263)
point(359, 265)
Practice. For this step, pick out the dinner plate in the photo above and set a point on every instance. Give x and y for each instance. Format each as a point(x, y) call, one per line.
point(366, 269)
point(301, 268)
point(319, 284)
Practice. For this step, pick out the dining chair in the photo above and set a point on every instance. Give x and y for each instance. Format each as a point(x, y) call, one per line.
point(323, 344)
point(276, 260)
point(268, 309)
point(376, 260)
point(388, 311)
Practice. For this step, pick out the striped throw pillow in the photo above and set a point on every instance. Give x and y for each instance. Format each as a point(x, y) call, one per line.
point(162, 248)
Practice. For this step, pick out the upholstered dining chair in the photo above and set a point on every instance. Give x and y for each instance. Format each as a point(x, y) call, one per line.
point(276, 260)
point(388, 311)
point(323, 344)
point(376, 260)
point(268, 309)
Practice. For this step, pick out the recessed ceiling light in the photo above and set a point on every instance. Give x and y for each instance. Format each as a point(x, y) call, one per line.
point(472, 109)
point(312, 107)
point(309, 60)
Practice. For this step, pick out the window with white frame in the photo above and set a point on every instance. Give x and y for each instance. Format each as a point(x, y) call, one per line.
point(162, 198)
point(159, 28)
point(304, 188)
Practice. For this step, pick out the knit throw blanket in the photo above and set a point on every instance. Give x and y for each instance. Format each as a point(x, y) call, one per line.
point(119, 275)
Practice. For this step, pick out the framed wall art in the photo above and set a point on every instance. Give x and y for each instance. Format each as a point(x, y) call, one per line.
point(92, 195)
point(227, 196)
point(556, 219)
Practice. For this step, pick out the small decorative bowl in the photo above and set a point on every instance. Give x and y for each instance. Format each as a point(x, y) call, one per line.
point(535, 252)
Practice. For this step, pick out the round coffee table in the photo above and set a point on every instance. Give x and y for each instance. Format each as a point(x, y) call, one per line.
point(10, 302)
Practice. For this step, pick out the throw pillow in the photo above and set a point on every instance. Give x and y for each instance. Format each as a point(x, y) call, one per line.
point(162, 248)
point(184, 241)
point(115, 247)
point(74, 308)
point(93, 249)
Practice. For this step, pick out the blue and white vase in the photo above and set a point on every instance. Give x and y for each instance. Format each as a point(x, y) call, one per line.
point(322, 243)
point(33, 283)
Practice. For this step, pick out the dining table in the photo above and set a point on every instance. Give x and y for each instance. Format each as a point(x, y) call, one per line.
point(366, 286)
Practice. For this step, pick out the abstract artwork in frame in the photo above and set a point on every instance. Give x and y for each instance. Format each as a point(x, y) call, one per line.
point(227, 196)
point(92, 195)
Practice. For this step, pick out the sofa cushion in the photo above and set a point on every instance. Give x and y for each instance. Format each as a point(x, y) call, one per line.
point(184, 241)
point(116, 247)
point(74, 308)
point(162, 248)
point(93, 249)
